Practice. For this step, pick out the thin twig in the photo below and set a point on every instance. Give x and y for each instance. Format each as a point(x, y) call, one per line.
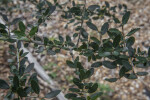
point(82, 21)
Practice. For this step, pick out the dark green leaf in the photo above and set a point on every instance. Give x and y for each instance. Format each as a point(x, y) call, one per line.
point(84, 33)
point(22, 26)
point(104, 54)
point(116, 20)
point(96, 64)
point(51, 52)
point(141, 73)
point(116, 40)
point(95, 40)
point(122, 71)
point(133, 31)
point(70, 64)
point(111, 79)
point(68, 38)
point(125, 18)
point(131, 76)
point(21, 70)
point(93, 7)
point(93, 88)
point(19, 44)
point(107, 4)
point(40, 49)
point(33, 31)
point(33, 77)
point(5, 17)
point(149, 52)
point(127, 65)
point(89, 73)
point(91, 26)
point(104, 28)
point(2, 26)
point(35, 86)
point(52, 94)
point(16, 82)
point(109, 64)
point(29, 68)
point(52, 9)
point(22, 62)
point(130, 41)
point(74, 90)
point(21, 92)
point(61, 39)
point(3, 84)
point(24, 54)
point(96, 95)
point(70, 95)
point(19, 33)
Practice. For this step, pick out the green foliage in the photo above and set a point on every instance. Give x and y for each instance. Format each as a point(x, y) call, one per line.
point(112, 52)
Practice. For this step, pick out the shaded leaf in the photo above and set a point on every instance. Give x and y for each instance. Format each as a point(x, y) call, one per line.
point(70, 64)
point(21, 92)
point(96, 64)
point(22, 26)
point(70, 95)
point(35, 86)
point(96, 95)
point(2, 26)
point(116, 40)
point(29, 67)
point(3, 84)
point(127, 65)
point(74, 90)
point(52, 94)
point(93, 88)
point(141, 73)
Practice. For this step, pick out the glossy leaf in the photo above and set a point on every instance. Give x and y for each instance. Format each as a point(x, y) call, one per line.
point(130, 41)
point(125, 18)
point(104, 28)
point(91, 26)
point(133, 31)
point(93, 7)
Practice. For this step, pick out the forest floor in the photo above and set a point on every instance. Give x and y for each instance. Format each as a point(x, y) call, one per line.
point(56, 67)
